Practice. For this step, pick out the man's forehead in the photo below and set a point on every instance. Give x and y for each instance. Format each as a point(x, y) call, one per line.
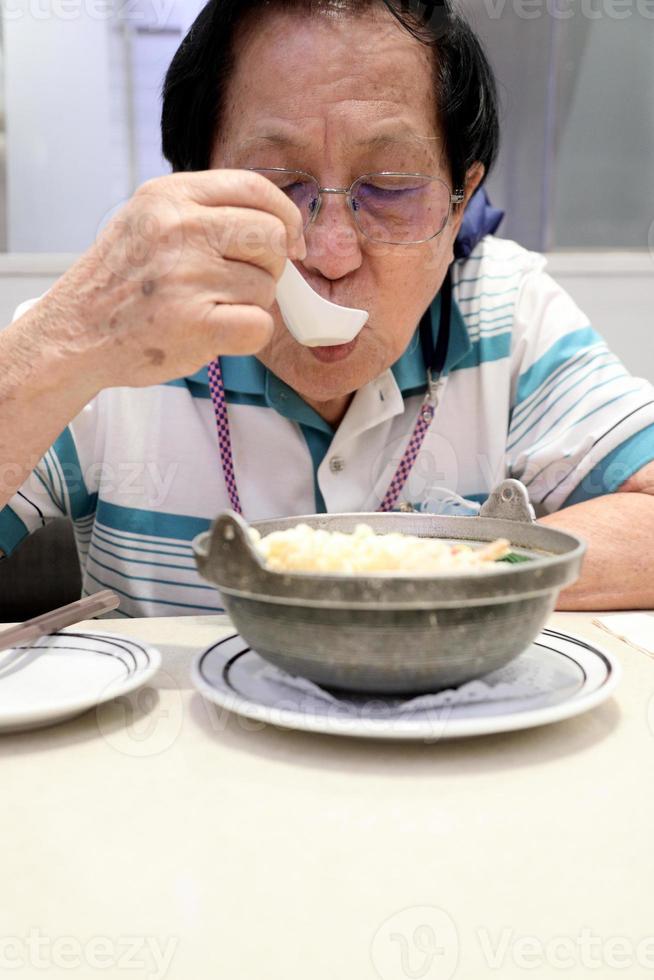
point(310, 88)
point(378, 136)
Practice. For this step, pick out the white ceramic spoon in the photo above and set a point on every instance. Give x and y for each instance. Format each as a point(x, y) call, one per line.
point(312, 320)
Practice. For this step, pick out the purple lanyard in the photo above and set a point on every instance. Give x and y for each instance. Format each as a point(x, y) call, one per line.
point(424, 421)
point(435, 357)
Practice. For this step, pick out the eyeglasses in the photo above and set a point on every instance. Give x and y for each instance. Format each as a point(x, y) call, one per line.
point(388, 208)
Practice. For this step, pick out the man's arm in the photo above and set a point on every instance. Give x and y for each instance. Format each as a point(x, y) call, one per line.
point(204, 288)
point(38, 397)
point(618, 571)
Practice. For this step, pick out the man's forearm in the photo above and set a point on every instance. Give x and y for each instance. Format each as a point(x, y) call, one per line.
point(618, 570)
point(38, 397)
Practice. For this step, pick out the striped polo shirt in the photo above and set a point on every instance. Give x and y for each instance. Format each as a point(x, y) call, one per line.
point(530, 391)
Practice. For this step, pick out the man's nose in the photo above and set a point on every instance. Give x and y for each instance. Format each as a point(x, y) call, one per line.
point(333, 239)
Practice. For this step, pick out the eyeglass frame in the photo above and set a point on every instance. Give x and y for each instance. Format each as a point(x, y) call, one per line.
point(456, 197)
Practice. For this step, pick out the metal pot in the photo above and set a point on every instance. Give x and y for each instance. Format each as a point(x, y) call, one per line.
point(395, 634)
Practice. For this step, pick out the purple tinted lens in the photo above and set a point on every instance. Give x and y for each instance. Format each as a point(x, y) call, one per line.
point(302, 189)
point(401, 208)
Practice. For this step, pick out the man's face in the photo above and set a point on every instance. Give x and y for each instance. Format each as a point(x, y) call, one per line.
point(338, 97)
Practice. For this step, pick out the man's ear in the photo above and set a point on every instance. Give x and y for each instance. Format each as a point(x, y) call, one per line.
point(474, 178)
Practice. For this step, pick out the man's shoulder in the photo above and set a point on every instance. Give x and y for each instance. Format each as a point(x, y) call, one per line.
point(487, 287)
point(494, 260)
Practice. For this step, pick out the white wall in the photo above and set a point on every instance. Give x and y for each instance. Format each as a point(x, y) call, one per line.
point(63, 168)
point(577, 120)
point(82, 102)
point(616, 290)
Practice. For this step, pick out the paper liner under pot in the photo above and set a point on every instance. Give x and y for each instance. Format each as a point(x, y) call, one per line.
point(395, 634)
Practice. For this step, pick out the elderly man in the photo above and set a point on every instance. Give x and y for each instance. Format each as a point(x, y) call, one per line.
point(348, 136)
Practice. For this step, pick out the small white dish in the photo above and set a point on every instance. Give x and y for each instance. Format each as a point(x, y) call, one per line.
point(557, 677)
point(60, 676)
point(312, 320)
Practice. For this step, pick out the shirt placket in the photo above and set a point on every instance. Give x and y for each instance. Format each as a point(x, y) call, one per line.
point(346, 475)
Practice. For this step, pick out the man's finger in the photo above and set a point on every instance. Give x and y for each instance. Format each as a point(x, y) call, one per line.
point(239, 329)
point(244, 188)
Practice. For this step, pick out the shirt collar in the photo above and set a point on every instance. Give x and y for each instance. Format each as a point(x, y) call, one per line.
point(410, 369)
point(245, 375)
point(248, 376)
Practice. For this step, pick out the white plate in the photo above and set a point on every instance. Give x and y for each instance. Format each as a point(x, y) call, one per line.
point(62, 675)
point(557, 677)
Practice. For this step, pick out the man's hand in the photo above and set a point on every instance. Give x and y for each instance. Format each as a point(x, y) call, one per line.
point(187, 270)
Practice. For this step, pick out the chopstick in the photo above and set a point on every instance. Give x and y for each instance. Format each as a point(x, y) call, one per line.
point(56, 619)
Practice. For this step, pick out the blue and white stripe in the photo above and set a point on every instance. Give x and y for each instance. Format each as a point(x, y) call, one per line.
point(531, 390)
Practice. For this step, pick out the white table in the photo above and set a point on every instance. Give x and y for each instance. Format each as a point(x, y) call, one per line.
point(252, 853)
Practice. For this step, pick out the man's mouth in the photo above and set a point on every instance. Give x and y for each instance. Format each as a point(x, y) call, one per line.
point(330, 355)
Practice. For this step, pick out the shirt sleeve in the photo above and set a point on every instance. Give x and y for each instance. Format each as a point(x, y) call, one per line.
point(60, 485)
point(580, 423)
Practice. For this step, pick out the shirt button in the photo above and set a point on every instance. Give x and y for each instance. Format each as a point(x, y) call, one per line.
point(336, 464)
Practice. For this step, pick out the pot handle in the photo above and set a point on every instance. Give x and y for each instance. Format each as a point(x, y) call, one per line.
point(227, 547)
point(509, 502)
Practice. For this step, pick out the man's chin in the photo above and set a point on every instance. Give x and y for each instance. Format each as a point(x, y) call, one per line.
point(328, 381)
point(327, 373)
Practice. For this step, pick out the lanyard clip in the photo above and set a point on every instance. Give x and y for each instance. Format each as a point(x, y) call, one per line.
point(434, 386)
point(431, 398)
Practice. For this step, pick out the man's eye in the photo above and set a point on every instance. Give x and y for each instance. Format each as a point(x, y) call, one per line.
point(384, 193)
point(386, 190)
point(298, 190)
point(302, 194)
point(377, 191)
